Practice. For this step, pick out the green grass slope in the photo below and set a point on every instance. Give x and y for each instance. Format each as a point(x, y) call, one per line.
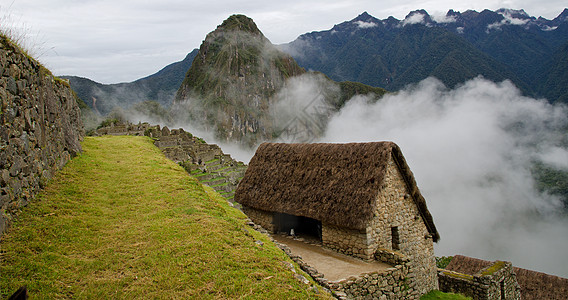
point(120, 221)
point(437, 295)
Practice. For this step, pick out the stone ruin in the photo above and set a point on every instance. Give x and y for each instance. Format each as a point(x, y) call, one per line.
point(497, 281)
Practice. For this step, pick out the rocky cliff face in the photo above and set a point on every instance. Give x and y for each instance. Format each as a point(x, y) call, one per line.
point(40, 131)
point(231, 83)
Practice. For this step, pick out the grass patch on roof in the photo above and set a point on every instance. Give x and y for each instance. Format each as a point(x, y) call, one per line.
point(121, 221)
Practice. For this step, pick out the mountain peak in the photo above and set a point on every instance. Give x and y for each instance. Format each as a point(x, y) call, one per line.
point(239, 23)
point(232, 79)
point(515, 13)
point(563, 17)
point(419, 16)
point(363, 17)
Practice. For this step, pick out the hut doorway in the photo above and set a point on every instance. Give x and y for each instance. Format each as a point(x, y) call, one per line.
point(302, 226)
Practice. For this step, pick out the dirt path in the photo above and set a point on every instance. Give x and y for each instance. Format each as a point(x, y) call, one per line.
point(334, 266)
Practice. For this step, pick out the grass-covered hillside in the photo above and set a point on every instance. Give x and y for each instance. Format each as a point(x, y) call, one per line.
point(120, 221)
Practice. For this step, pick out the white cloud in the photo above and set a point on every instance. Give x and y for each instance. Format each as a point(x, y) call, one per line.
point(444, 19)
point(364, 25)
point(555, 156)
point(548, 28)
point(416, 18)
point(471, 150)
point(508, 20)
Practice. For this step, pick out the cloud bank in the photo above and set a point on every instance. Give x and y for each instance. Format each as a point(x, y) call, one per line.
point(471, 150)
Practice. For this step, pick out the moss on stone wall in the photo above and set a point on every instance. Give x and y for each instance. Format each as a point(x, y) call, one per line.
point(498, 265)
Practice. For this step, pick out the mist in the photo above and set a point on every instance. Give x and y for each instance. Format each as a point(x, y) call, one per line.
point(471, 150)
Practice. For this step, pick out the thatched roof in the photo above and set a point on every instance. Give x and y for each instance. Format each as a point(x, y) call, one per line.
point(534, 285)
point(335, 183)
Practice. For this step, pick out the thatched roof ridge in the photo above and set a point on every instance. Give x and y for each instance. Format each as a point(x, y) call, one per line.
point(534, 285)
point(335, 183)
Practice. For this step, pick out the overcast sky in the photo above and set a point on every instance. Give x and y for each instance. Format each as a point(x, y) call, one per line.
point(113, 41)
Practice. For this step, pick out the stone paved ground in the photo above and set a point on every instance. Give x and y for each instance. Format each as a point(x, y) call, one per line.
point(333, 265)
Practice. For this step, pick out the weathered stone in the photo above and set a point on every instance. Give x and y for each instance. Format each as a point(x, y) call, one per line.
point(16, 167)
point(12, 87)
point(4, 177)
point(301, 278)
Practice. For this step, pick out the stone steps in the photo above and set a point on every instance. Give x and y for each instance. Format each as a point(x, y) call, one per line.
point(214, 168)
point(224, 187)
point(204, 176)
point(215, 181)
point(229, 195)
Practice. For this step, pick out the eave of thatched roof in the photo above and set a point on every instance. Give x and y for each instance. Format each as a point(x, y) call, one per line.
point(335, 183)
point(534, 285)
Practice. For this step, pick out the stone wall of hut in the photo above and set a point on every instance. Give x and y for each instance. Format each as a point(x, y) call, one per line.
point(347, 241)
point(261, 217)
point(398, 226)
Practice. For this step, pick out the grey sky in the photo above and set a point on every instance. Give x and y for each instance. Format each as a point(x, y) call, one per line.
point(113, 41)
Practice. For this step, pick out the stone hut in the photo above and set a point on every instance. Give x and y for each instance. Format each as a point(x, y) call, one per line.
point(500, 280)
point(359, 199)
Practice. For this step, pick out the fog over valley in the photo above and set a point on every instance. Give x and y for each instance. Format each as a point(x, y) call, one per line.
point(473, 151)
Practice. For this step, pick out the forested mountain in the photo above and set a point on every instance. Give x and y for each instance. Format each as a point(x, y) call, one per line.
point(239, 77)
point(391, 53)
point(160, 87)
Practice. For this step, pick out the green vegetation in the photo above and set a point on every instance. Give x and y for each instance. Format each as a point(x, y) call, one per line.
point(551, 180)
point(437, 295)
point(350, 89)
point(121, 221)
point(240, 23)
point(393, 56)
point(443, 261)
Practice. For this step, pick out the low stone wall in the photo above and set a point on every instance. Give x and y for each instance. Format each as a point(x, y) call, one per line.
point(40, 131)
point(347, 241)
point(124, 129)
point(392, 283)
point(497, 281)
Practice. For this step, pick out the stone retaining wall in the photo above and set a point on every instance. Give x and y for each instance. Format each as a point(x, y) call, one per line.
point(495, 282)
point(41, 129)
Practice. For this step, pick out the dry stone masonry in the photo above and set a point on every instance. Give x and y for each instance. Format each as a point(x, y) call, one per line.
point(41, 128)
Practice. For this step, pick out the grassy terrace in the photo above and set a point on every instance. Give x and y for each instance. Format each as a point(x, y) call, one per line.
point(121, 221)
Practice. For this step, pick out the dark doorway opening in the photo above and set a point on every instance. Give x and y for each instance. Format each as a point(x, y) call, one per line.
point(302, 226)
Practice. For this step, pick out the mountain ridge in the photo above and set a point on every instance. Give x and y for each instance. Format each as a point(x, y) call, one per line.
point(509, 43)
point(160, 87)
point(532, 64)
